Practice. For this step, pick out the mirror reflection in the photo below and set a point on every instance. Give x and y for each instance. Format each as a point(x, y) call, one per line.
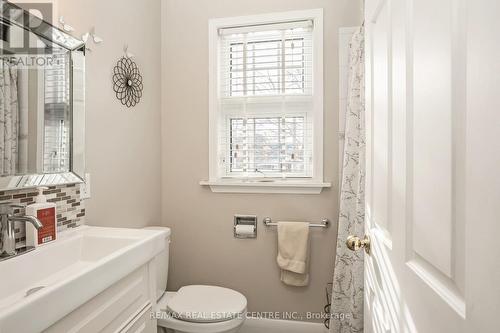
point(35, 103)
point(34, 117)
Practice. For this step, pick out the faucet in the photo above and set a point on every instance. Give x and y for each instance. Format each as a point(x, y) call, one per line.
point(7, 220)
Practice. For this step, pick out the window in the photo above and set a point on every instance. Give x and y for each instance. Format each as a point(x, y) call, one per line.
point(266, 99)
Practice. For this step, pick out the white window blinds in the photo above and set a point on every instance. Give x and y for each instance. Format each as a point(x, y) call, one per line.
point(266, 100)
point(56, 157)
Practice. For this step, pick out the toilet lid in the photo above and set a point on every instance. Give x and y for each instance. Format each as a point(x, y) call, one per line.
point(206, 304)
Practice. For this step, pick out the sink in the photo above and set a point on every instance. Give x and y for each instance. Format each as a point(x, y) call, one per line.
point(68, 272)
point(51, 264)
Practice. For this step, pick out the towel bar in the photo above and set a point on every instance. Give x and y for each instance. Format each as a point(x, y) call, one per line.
point(325, 223)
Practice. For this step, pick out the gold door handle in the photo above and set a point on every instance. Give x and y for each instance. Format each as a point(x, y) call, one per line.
point(354, 243)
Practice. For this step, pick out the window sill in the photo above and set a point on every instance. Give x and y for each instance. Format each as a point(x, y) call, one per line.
point(276, 187)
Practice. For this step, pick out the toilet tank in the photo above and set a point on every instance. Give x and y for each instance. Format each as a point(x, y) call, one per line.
point(161, 263)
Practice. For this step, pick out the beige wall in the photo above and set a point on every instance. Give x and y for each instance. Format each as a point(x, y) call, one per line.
point(203, 249)
point(123, 145)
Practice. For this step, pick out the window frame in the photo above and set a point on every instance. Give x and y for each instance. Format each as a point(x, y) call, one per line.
point(305, 185)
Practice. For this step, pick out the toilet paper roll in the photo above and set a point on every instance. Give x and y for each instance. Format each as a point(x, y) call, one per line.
point(245, 230)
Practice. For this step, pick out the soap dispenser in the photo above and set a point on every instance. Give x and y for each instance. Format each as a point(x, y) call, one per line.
point(46, 213)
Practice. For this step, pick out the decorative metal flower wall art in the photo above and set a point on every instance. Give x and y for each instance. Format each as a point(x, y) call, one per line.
point(127, 82)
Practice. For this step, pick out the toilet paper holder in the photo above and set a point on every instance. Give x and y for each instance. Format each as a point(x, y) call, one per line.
point(245, 226)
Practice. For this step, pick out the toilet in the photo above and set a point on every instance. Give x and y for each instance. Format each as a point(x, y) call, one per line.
point(196, 308)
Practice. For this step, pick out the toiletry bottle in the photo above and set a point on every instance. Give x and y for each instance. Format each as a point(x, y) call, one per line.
point(46, 213)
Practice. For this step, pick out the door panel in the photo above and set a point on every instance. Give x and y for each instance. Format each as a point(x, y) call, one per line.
point(381, 92)
point(381, 312)
point(432, 132)
point(435, 177)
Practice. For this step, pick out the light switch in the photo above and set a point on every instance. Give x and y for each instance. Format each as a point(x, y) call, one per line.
point(85, 188)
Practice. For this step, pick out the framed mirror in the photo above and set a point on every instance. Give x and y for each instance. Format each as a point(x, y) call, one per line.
point(42, 102)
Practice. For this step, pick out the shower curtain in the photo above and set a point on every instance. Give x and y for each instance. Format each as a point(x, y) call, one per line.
point(347, 289)
point(9, 118)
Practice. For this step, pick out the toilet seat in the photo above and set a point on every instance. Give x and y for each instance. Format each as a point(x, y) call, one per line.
point(206, 304)
point(178, 325)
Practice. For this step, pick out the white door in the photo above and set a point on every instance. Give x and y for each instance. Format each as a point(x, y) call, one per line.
point(433, 166)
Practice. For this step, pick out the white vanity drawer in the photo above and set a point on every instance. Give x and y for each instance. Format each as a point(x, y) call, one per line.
point(112, 309)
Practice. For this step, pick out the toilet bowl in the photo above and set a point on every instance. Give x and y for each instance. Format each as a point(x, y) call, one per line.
point(181, 313)
point(197, 308)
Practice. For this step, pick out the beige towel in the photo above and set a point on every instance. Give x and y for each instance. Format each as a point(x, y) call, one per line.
point(293, 248)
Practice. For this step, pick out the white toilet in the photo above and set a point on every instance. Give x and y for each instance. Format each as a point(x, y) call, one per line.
point(196, 309)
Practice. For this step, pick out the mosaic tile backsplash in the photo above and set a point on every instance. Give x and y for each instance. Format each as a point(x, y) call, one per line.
point(70, 209)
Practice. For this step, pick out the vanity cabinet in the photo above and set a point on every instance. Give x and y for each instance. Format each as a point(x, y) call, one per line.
point(124, 307)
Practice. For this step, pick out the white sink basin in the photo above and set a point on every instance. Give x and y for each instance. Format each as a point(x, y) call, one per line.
point(67, 273)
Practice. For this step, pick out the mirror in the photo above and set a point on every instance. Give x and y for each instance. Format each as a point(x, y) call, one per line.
point(42, 105)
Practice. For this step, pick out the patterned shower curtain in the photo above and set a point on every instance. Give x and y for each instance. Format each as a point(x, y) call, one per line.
point(9, 119)
point(347, 290)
